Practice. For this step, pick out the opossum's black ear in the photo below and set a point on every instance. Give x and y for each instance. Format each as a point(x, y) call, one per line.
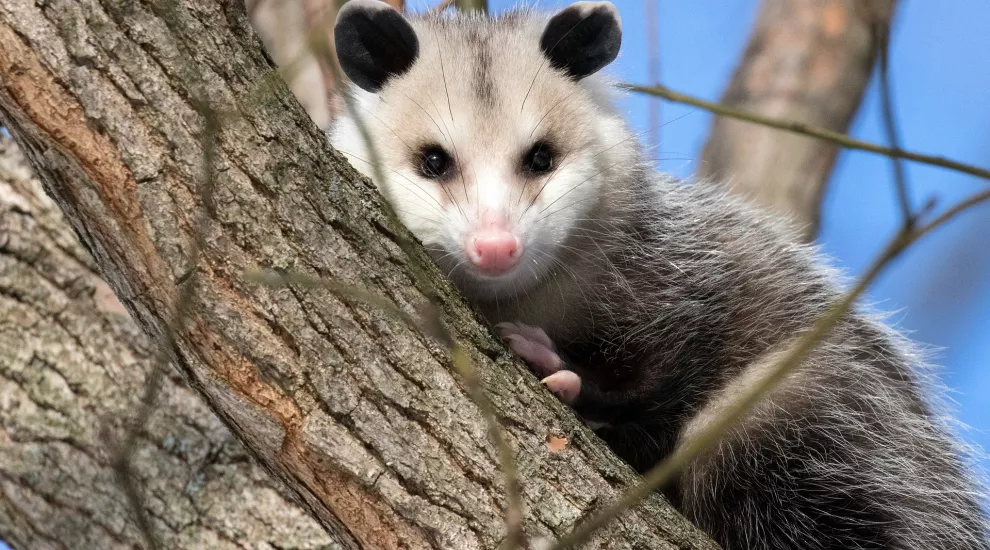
point(374, 43)
point(582, 38)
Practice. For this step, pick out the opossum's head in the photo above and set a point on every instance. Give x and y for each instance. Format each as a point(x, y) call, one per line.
point(494, 140)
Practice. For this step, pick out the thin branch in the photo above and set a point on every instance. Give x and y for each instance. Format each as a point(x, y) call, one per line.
point(662, 473)
point(472, 5)
point(282, 278)
point(441, 7)
point(653, 62)
point(890, 125)
point(796, 127)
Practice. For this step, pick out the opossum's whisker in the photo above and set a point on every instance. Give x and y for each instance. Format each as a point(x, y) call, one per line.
point(418, 215)
point(565, 158)
point(551, 109)
point(640, 134)
point(586, 180)
point(382, 122)
point(433, 120)
point(439, 208)
point(446, 91)
point(444, 187)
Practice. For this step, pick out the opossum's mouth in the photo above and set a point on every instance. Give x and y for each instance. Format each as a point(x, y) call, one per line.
point(478, 285)
point(514, 281)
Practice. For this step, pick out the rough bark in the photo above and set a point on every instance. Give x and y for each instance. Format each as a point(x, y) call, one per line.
point(807, 60)
point(359, 414)
point(72, 371)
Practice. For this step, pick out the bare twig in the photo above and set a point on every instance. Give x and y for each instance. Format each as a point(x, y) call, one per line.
point(472, 5)
point(278, 278)
point(890, 124)
point(837, 138)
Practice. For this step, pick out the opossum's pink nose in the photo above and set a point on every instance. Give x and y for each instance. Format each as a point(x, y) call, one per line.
point(494, 251)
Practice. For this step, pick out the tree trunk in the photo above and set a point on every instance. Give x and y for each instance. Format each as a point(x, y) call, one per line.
point(359, 414)
point(72, 370)
point(807, 60)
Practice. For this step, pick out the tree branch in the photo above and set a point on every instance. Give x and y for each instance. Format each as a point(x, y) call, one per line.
point(73, 368)
point(358, 414)
point(803, 129)
point(882, 40)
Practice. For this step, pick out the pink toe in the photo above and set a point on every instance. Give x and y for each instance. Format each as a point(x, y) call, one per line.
point(543, 360)
point(535, 334)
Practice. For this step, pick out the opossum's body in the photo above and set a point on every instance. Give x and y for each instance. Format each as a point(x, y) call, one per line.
point(663, 297)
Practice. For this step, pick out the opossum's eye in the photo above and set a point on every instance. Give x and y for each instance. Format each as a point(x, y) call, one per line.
point(434, 163)
point(539, 159)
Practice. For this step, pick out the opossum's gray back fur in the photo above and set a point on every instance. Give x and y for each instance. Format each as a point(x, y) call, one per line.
point(703, 284)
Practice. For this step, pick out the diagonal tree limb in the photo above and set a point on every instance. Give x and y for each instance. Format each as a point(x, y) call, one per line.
point(355, 412)
point(73, 366)
point(815, 132)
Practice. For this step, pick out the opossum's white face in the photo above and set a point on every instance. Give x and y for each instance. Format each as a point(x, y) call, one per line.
point(493, 145)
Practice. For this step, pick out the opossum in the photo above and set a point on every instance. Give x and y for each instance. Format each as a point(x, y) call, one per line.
point(646, 303)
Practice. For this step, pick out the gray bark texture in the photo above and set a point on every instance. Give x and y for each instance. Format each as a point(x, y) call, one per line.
point(359, 414)
point(72, 371)
point(809, 61)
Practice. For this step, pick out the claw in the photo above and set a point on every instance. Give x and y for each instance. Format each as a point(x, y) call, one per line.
point(534, 346)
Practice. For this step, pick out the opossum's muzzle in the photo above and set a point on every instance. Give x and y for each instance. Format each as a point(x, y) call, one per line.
point(493, 248)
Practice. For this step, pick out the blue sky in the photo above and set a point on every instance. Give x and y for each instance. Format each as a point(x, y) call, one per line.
point(939, 291)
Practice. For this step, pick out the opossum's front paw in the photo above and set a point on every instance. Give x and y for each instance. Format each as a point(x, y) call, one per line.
point(534, 346)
